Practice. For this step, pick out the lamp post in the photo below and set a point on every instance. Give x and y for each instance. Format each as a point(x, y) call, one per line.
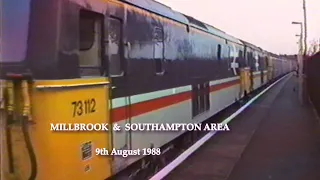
point(301, 35)
point(300, 58)
point(300, 43)
point(300, 63)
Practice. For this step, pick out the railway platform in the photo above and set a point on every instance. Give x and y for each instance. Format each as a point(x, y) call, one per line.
point(276, 138)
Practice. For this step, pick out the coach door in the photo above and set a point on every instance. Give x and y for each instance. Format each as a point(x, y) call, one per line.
point(120, 112)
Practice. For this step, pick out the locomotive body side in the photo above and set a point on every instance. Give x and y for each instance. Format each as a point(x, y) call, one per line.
point(123, 62)
point(180, 59)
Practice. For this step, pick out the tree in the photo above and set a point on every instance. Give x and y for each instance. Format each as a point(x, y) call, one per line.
point(314, 47)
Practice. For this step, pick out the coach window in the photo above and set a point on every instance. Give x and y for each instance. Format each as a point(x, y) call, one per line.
point(90, 46)
point(231, 55)
point(266, 63)
point(158, 50)
point(240, 54)
point(219, 52)
point(239, 58)
point(230, 52)
point(249, 58)
point(115, 47)
point(261, 62)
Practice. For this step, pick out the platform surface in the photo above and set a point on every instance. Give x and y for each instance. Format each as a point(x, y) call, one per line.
point(276, 138)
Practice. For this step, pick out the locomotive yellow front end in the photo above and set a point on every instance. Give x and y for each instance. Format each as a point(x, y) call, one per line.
point(54, 93)
point(57, 107)
point(42, 141)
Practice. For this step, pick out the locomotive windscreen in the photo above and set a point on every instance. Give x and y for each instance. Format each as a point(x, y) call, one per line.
point(14, 21)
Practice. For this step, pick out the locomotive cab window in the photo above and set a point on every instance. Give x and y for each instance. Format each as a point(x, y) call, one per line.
point(90, 46)
point(115, 47)
point(219, 52)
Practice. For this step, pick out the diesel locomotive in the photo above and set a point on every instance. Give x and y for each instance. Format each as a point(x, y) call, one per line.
point(112, 61)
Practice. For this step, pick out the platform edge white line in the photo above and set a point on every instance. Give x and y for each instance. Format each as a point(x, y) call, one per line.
point(176, 162)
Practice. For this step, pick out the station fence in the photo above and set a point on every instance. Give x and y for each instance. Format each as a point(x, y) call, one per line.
point(312, 79)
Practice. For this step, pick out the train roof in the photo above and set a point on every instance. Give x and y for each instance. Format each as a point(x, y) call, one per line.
point(166, 11)
point(251, 45)
point(159, 8)
point(223, 34)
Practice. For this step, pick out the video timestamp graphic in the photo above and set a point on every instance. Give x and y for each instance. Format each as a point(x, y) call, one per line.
point(128, 152)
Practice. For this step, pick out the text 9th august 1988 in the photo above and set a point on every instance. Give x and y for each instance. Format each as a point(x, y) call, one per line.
point(126, 153)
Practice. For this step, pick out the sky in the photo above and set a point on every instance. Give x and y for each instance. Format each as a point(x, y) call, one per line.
point(265, 23)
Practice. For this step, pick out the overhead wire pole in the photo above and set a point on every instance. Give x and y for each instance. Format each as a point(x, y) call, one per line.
point(305, 27)
point(302, 57)
point(304, 95)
